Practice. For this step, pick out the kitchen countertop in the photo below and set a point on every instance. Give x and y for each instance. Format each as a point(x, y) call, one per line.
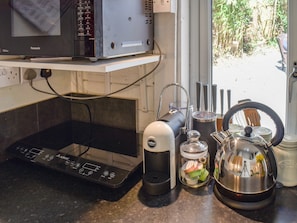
point(31, 193)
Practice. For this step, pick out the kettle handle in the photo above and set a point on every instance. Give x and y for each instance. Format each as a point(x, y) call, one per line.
point(251, 104)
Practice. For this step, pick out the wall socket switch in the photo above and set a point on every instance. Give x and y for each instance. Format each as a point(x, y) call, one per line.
point(160, 6)
point(9, 76)
point(22, 73)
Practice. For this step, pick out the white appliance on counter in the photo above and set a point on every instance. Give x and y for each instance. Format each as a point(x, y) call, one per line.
point(161, 140)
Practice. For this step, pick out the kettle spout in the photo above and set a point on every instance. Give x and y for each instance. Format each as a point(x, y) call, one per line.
point(219, 137)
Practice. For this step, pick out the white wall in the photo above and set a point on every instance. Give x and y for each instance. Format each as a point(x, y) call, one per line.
point(20, 95)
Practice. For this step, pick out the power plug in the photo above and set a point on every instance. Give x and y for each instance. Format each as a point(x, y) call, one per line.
point(46, 73)
point(28, 74)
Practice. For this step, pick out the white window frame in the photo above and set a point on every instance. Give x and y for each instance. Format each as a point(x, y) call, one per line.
point(200, 44)
point(201, 52)
point(291, 116)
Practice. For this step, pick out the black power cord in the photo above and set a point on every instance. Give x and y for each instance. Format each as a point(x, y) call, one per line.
point(46, 73)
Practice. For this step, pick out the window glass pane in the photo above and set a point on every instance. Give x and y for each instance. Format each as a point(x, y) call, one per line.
point(246, 56)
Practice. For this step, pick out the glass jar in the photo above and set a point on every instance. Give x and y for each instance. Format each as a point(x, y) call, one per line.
point(194, 161)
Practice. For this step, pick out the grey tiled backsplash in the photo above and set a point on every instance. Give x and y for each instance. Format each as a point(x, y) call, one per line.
point(112, 112)
point(25, 121)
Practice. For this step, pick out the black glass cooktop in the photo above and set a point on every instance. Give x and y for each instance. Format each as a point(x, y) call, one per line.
point(97, 153)
point(97, 136)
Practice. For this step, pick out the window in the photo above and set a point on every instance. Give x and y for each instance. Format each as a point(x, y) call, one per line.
point(201, 61)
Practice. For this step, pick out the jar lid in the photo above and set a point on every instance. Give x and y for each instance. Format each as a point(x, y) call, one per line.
point(193, 148)
point(261, 130)
point(266, 133)
point(204, 116)
point(234, 128)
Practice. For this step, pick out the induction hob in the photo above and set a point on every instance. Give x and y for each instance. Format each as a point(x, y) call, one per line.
point(101, 154)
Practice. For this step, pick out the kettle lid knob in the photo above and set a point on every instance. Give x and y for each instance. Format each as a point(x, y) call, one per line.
point(248, 131)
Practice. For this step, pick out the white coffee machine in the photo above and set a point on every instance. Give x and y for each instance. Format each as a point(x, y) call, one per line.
point(161, 140)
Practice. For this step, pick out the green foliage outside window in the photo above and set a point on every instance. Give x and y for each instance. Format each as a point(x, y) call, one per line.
point(239, 26)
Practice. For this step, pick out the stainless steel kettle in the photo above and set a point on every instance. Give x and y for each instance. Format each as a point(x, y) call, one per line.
point(245, 167)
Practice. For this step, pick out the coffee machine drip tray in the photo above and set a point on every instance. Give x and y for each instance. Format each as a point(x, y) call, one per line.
point(101, 154)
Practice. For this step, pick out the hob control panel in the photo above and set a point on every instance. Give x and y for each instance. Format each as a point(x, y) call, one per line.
point(88, 169)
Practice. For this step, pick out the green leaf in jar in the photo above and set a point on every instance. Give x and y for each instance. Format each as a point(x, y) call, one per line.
point(204, 175)
point(195, 174)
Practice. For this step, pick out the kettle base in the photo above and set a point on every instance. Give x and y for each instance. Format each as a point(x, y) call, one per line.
point(245, 204)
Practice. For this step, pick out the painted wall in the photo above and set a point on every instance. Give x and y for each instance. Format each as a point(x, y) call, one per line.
point(20, 95)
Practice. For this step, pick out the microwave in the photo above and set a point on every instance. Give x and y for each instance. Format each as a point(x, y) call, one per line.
point(93, 29)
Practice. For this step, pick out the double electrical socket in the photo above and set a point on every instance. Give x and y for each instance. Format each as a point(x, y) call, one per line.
point(14, 75)
point(9, 76)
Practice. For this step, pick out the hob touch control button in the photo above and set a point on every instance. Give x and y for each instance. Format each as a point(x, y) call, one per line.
point(105, 173)
point(111, 175)
point(74, 165)
point(85, 172)
point(48, 157)
point(22, 149)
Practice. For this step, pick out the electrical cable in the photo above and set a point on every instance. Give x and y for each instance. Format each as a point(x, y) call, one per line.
point(36, 89)
point(106, 95)
point(78, 100)
point(71, 101)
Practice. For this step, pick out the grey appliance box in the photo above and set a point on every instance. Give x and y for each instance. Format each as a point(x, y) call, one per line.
point(126, 27)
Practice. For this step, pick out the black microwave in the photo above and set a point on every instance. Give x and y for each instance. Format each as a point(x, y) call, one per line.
point(76, 28)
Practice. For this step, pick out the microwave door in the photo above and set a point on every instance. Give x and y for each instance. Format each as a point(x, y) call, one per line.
point(37, 28)
point(42, 16)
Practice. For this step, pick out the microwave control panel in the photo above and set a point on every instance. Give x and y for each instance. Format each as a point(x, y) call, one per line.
point(85, 18)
